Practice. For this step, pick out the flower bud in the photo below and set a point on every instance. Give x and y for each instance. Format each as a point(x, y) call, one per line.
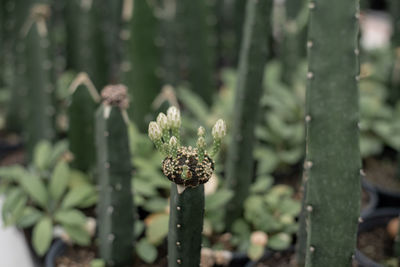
point(201, 143)
point(219, 129)
point(259, 238)
point(174, 117)
point(162, 121)
point(154, 131)
point(201, 131)
point(173, 142)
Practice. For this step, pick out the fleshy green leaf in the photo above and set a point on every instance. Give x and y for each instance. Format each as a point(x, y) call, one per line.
point(157, 228)
point(77, 196)
point(97, 263)
point(36, 189)
point(78, 234)
point(146, 251)
point(279, 241)
point(59, 180)
point(29, 217)
point(218, 199)
point(42, 235)
point(13, 173)
point(255, 252)
point(42, 154)
point(70, 217)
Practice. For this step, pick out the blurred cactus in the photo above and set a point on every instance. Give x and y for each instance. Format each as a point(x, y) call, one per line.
point(139, 70)
point(294, 39)
point(189, 168)
point(195, 32)
point(115, 211)
point(249, 88)
point(394, 8)
point(85, 48)
point(333, 162)
point(14, 16)
point(39, 73)
point(81, 110)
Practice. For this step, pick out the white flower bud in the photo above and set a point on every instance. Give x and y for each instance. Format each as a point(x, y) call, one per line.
point(219, 129)
point(201, 131)
point(201, 143)
point(174, 117)
point(154, 131)
point(173, 142)
point(162, 121)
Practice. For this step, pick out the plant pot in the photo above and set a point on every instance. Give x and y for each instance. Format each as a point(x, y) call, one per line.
point(376, 219)
point(387, 198)
point(373, 200)
point(57, 249)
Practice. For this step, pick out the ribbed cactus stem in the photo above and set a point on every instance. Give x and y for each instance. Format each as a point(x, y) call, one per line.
point(115, 211)
point(39, 73)
point(333, 160)
point(185, 226)
point(253, 56)
point(84, 99)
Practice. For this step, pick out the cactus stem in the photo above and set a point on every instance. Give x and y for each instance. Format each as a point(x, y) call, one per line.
point(83, 79)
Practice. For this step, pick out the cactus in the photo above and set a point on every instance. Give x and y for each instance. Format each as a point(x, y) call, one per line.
point(38, 72)
point(196, 36)
point(115, 212)
point(294, 42)
point(85, 49)
point(188, 168)
point(81, 122)
point(394, 8)
point(15, 15)
point(142, 60)
point(332, 164)
point(249, 88)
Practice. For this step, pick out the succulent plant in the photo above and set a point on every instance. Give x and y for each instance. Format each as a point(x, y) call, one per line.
point(188, 168)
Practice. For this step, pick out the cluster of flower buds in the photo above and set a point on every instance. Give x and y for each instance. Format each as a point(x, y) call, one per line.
point(184, 165)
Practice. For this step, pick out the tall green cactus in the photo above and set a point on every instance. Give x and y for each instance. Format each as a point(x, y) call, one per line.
point(333, 159)
point(249, 88)
point(39, 73)
point(196, 22)
point(294, 42)
point(394, 8)
point(85, 47)
point(81, 110)
point(16, 13)
point(142, 60)
point(115, 212)
point(189, 168)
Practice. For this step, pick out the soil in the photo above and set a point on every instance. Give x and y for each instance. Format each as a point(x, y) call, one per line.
point(279, 259)
point(382, 173)
point(76, 257)
point(376, 244)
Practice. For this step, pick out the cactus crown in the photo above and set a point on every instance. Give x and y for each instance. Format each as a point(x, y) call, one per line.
point(184, 165)
point(115, 95)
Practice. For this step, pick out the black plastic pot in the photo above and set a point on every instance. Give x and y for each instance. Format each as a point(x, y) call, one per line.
point(378, 218)
point(56, 250)
point(387, 198)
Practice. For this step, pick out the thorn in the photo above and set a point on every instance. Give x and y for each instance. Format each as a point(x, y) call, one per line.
point(312, 249)
point(309, 208)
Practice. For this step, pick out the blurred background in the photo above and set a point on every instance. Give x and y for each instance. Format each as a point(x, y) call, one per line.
point(185, 53)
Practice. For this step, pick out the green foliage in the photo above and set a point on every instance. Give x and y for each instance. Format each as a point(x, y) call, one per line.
point(43, 197)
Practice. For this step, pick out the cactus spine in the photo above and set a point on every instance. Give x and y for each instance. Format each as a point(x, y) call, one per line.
point(249, 88)
point(115, 212)
point(39, 73)
point(333, 159)
point(140, 69)
point(84, 99)
point(189, 169)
